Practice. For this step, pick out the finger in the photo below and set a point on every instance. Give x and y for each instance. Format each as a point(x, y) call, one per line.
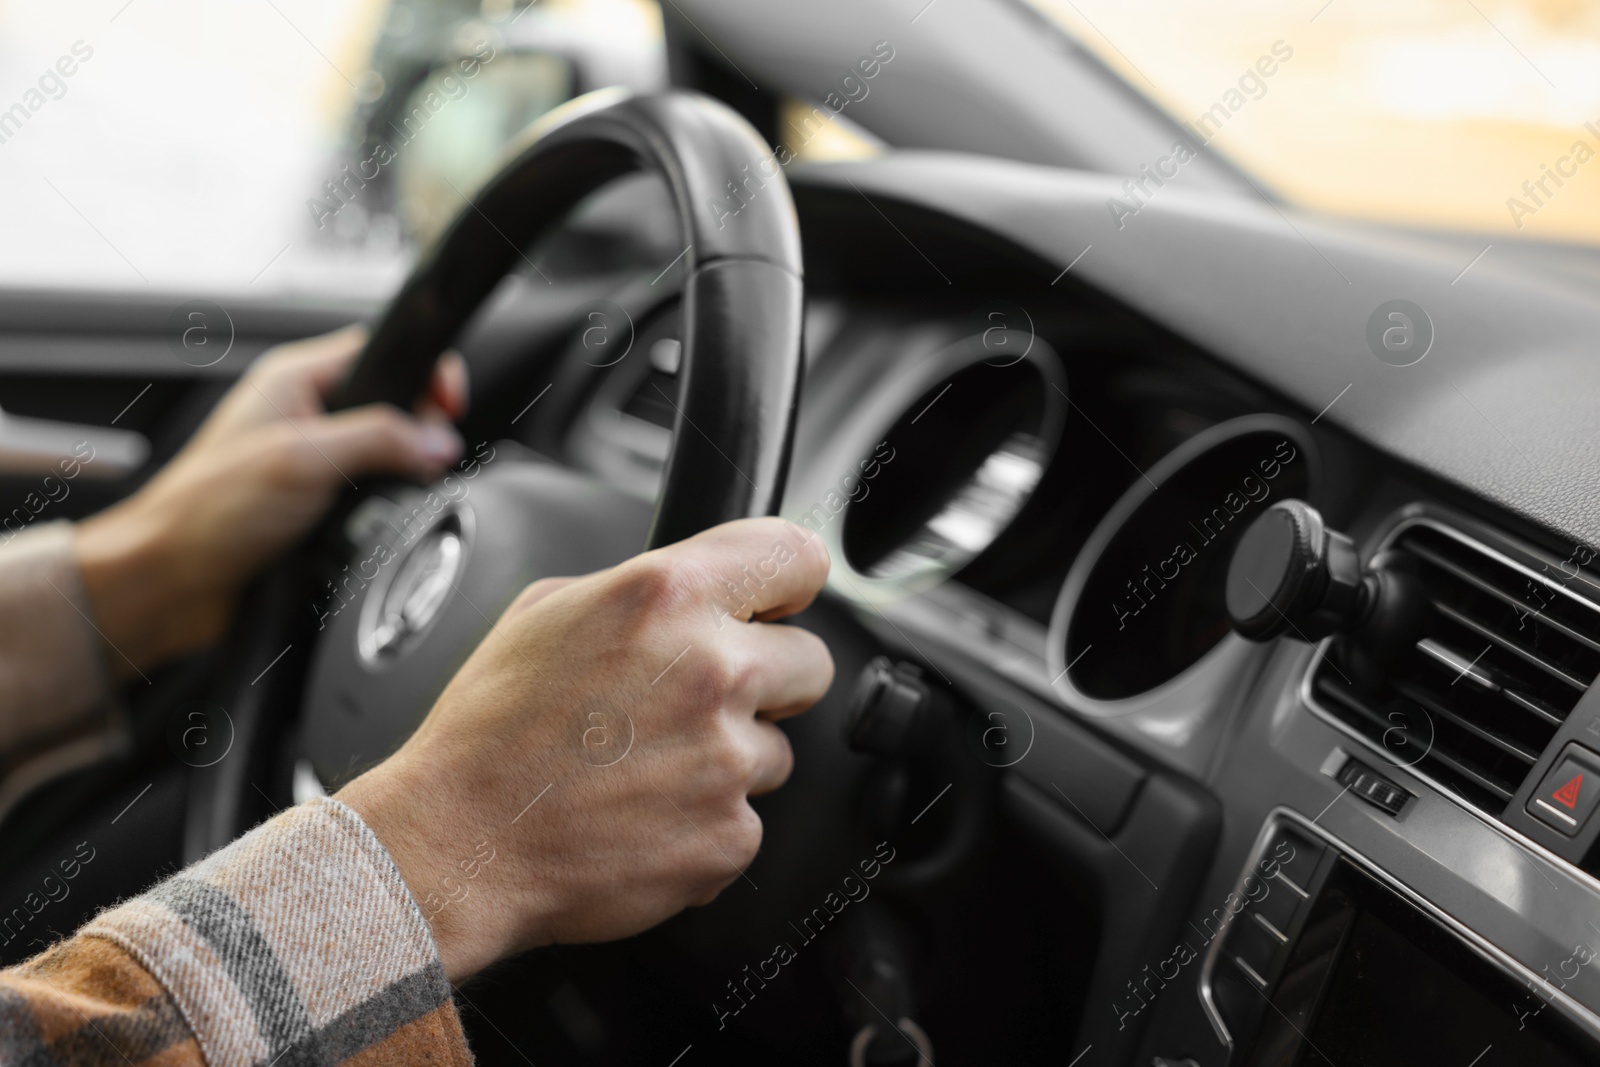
point(327, 359)
point(771, 567)
point(324, 359)
point(379, 439)
point(792, 668)
point(774, 755)
point(279, 384)
point(448, 390)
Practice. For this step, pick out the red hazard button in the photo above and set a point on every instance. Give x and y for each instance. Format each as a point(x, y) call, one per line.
point(1569, 793)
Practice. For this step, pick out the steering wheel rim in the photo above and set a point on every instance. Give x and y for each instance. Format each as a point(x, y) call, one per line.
point(739, 376)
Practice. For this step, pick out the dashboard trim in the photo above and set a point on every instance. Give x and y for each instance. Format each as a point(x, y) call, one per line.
point(1517, 339)
point(1231, 649)
point(1436, 518)
point(1280, 816)
point(886, 384)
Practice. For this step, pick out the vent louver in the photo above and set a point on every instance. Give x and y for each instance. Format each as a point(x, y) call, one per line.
point(1478, 698)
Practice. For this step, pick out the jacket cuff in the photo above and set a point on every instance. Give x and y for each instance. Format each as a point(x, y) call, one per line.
point(298, 943)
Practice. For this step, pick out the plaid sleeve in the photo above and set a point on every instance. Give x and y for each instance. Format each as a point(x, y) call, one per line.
point(86, 1002)
point(297, 944)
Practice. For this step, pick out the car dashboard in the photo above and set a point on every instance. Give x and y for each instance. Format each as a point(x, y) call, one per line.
point(1032, 465)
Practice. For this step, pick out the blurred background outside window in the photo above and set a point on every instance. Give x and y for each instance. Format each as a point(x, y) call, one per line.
point(275, 147)
point(1477, 116)
point(305, 147)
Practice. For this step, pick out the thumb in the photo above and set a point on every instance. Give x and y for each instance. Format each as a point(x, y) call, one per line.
point(379, 439)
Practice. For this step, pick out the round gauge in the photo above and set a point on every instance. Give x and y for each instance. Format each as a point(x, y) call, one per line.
point(941, 449)
point(1145, 599)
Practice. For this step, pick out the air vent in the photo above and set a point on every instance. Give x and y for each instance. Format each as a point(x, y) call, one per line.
point(1476, 700)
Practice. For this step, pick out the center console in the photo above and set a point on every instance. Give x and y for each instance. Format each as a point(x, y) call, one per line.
point(1319, 958)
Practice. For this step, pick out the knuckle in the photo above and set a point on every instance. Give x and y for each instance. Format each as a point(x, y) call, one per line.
point(723, 676)
point(271, 362)
point(284, 453)
point(278, 364)
point(731, 765)
point(656, 582)
point(533, 592)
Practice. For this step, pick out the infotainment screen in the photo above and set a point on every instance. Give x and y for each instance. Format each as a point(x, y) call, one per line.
point(1374, 982)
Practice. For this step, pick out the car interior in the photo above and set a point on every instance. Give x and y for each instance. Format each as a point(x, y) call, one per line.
point(1214, 594)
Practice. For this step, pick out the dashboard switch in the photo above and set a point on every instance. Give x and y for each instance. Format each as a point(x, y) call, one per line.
point(1255, 951)
point(1569, 793)
point(887, 707)
point(1297, 857)
point(1278, 906)
point(1374, 788)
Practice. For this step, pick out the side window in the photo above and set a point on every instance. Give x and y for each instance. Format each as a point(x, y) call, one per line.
point(453, 90)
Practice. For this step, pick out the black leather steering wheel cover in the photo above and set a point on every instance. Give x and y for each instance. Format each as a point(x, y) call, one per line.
point(740, 376)
point(738, 384)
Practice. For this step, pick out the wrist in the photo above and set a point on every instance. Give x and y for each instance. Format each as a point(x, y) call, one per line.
point(472, 927)
point(146, 605)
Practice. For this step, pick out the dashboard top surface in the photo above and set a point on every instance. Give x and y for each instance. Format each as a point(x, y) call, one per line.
point(1494, 406)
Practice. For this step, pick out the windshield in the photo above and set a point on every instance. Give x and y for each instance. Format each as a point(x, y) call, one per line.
point(1477, 116)
point(275, 147)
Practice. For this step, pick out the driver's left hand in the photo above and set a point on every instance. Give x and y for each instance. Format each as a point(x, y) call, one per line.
point(164, 567)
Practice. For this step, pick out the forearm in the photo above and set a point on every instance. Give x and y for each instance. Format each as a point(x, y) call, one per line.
point(53, 669)
point(147, 606)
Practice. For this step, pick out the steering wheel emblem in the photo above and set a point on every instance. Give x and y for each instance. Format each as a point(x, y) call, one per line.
point(400, 611)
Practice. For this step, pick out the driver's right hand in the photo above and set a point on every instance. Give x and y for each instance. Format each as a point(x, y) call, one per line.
point(586, 774)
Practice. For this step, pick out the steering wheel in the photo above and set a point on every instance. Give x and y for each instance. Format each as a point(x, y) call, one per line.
point(430, 568)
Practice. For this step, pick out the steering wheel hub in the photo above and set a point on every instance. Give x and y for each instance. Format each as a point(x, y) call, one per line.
point(398, 611)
